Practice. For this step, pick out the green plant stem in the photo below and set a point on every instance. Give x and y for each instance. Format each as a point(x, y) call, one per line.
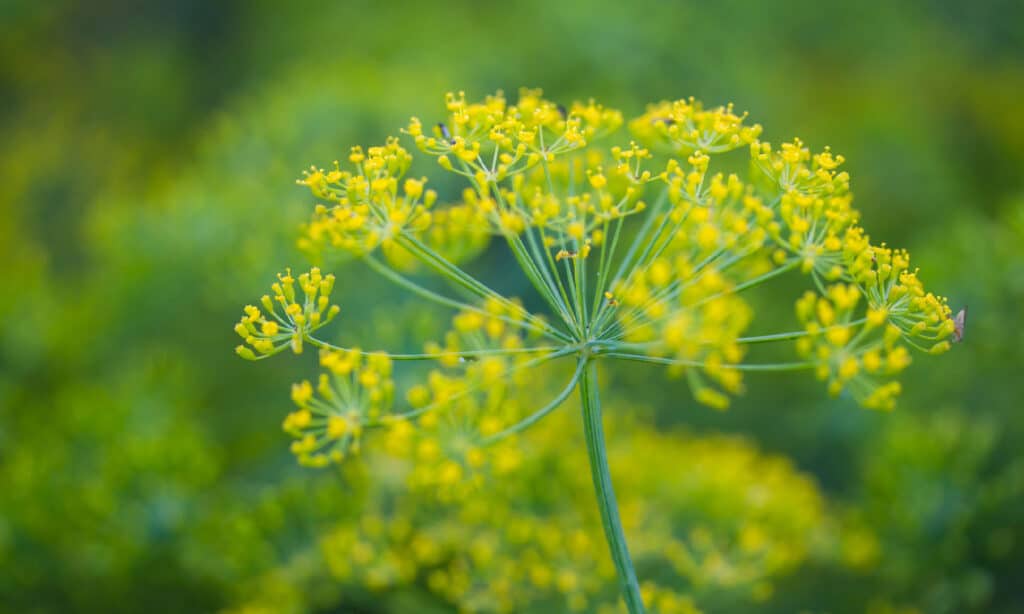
point(319, 343)
point(535, 417)
point(778, 366)
point(391, 275)
point(593, 429)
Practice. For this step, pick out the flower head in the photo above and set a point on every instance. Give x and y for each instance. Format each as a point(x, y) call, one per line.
point(666, 288)
point(637, 249)
point(353, 392)
point(268, 331)
point(367, 206)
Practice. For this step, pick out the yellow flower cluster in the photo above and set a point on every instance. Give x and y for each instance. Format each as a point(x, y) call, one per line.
point(529, 542)
point(462, 406)
point(682, 302)
point(595, 188)
point(353, 392)
point(639, 252)
point(852, 354)
point(492, 141)
point(792, 168)
point(446, 447)
point(892, 288)
point(483, 556)
point(457, 232)
point(268, 333)
point(697, 324)
point(500, 140)
point(797, 211)
point(724, 477)
point(684, 126)
point(369, 208)
point(535, 176)
point(817, 224)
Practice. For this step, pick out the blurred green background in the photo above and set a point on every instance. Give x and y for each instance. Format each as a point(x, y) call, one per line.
point(148, 153)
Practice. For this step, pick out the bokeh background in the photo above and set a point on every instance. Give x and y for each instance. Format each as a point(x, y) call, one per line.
point(148, 153)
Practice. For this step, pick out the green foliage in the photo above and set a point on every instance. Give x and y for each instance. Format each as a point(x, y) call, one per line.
point(146, 162)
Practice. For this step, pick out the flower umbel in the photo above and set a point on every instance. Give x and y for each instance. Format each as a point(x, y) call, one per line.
point(638, 248)
point(268, 333)
point(353, 392)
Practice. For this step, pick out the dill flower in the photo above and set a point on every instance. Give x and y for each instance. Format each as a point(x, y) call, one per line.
point(355, 389)
point(752, 518)
point(268, 333)
point(639, 248)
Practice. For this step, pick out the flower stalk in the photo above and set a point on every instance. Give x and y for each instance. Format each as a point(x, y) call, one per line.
point(535, 176)
point(593, 430)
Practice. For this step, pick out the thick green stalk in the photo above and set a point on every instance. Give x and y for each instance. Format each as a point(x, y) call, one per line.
point(593, 428)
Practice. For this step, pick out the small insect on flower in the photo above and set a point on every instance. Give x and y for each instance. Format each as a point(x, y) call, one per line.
point(445, 133)
point(959, 324)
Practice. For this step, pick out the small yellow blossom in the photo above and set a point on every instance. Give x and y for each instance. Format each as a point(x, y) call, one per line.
point(267, 332)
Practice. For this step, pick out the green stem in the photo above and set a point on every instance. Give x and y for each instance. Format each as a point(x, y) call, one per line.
point(593, 428)
point(527, 322)
point(319, 343)
point(533, 418)
point(777, 366)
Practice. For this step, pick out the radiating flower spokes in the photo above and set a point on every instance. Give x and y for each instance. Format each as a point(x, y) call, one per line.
point(672, 292)
point(269, 333)
point(638, 250)
point(685, 126)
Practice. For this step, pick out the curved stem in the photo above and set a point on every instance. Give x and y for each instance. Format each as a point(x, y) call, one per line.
point(533, 418)
point(464, 280)
point(796, 334)
point(778, 366)
point(471, 389)
point(393, 276)
point(319, 343)
point(593, 429)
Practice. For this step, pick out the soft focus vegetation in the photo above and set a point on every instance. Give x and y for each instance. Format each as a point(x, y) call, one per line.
point(147, 166)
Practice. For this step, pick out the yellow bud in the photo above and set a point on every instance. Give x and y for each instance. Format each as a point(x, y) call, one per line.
point(418, 396)
point(707, 236)
point(848, 369)
point(337, 426)
point(712, 398)
point(475, 458)
point(872, 361)
point(300, 419)
point(413, 188)
point(838, 335)
point(302, 392)
point(877, 317)
point(898, 359)
point(660, 272)
point(450, 473)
